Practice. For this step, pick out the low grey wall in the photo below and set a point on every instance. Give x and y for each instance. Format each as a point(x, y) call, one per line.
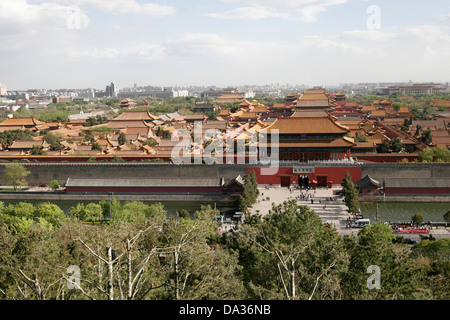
point(379, 171)
point(44, 173)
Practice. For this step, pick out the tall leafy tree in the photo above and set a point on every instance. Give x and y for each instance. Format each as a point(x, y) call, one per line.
point(250, 192)
point(399, 276)
point(289, 254)
point(426, 137)
point(91, 212)
point(426, 155)
point(122, 139)
point(36, 151)
point(441, 154)
point(51, 213)
point(350, 194)
point(16, 174)
point(53, 140)
point(383, 147)
point(191, 269)
point(7, 137)
point(396, 145)
point(32, 264)
point(417, 219)
point(116, 259)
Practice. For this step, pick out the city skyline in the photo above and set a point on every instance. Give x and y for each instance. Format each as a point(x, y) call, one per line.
point(88, 43)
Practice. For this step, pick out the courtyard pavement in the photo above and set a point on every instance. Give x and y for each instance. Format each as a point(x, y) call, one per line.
point(329, 206)
point(325, 203)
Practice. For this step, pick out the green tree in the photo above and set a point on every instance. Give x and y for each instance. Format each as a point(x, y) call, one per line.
point(91, 212)
point(417, 132)
point(122, 139)
point(346, 183)
point(438, 154)
point(18, 217)
point(417, 219)
point(96, 146)
point(95, 120)
point(193, 270)
point(53, 140)
point(118, 159)
point(426, 155)
point(290, 254)
point(406, 124)
point(111, 208)
point(183, 214)
point(132, 210)
point(350, 194)
point(54, 184)
point(89, 137)
point(383, 147)
point(361, 138)
point(396, 145)
point(441, 154)
point(433, 257)
point(33, 264)
point(21, 209)
point(426, 137)
point(250, 192)
point(212, 115)
point(400, 278)
point(16, 174)
point(23, 215)
point(51, 213)
point(150, 142)
point(37, 151)
point(7, 137)
point(447, 216)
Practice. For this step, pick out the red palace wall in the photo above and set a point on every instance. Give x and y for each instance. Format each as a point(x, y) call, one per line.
point(335, 175)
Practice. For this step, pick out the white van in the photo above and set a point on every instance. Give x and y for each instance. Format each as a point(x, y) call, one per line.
point(360, 223)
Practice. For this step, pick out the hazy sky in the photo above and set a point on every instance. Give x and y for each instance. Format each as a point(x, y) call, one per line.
point(89, 43)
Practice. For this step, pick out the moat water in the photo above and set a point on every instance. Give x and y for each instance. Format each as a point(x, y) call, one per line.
point(403, 211)
point(387, 211)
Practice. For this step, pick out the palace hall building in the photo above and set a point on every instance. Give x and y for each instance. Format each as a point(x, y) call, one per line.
point(310, 136)
point(310, 145)
point(315, 99)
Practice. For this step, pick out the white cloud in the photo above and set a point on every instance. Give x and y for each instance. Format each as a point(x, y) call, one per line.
point(369, 35)
point(428, 33)
point(307, 9)
point(190, 45)
point(18, 16)
point(117, 6)
point(143, 51)
point(126, 7)
point(324, 43)
point(249, 13)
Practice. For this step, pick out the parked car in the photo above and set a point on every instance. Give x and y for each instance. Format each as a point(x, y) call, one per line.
point(360, 223)
point(410, 241)
point(43, 185)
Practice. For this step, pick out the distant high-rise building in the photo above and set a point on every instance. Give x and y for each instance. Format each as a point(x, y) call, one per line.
point(2, 90)
point(112, 90)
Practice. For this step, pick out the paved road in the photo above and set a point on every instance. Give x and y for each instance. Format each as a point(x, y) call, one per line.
point(330, 211)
